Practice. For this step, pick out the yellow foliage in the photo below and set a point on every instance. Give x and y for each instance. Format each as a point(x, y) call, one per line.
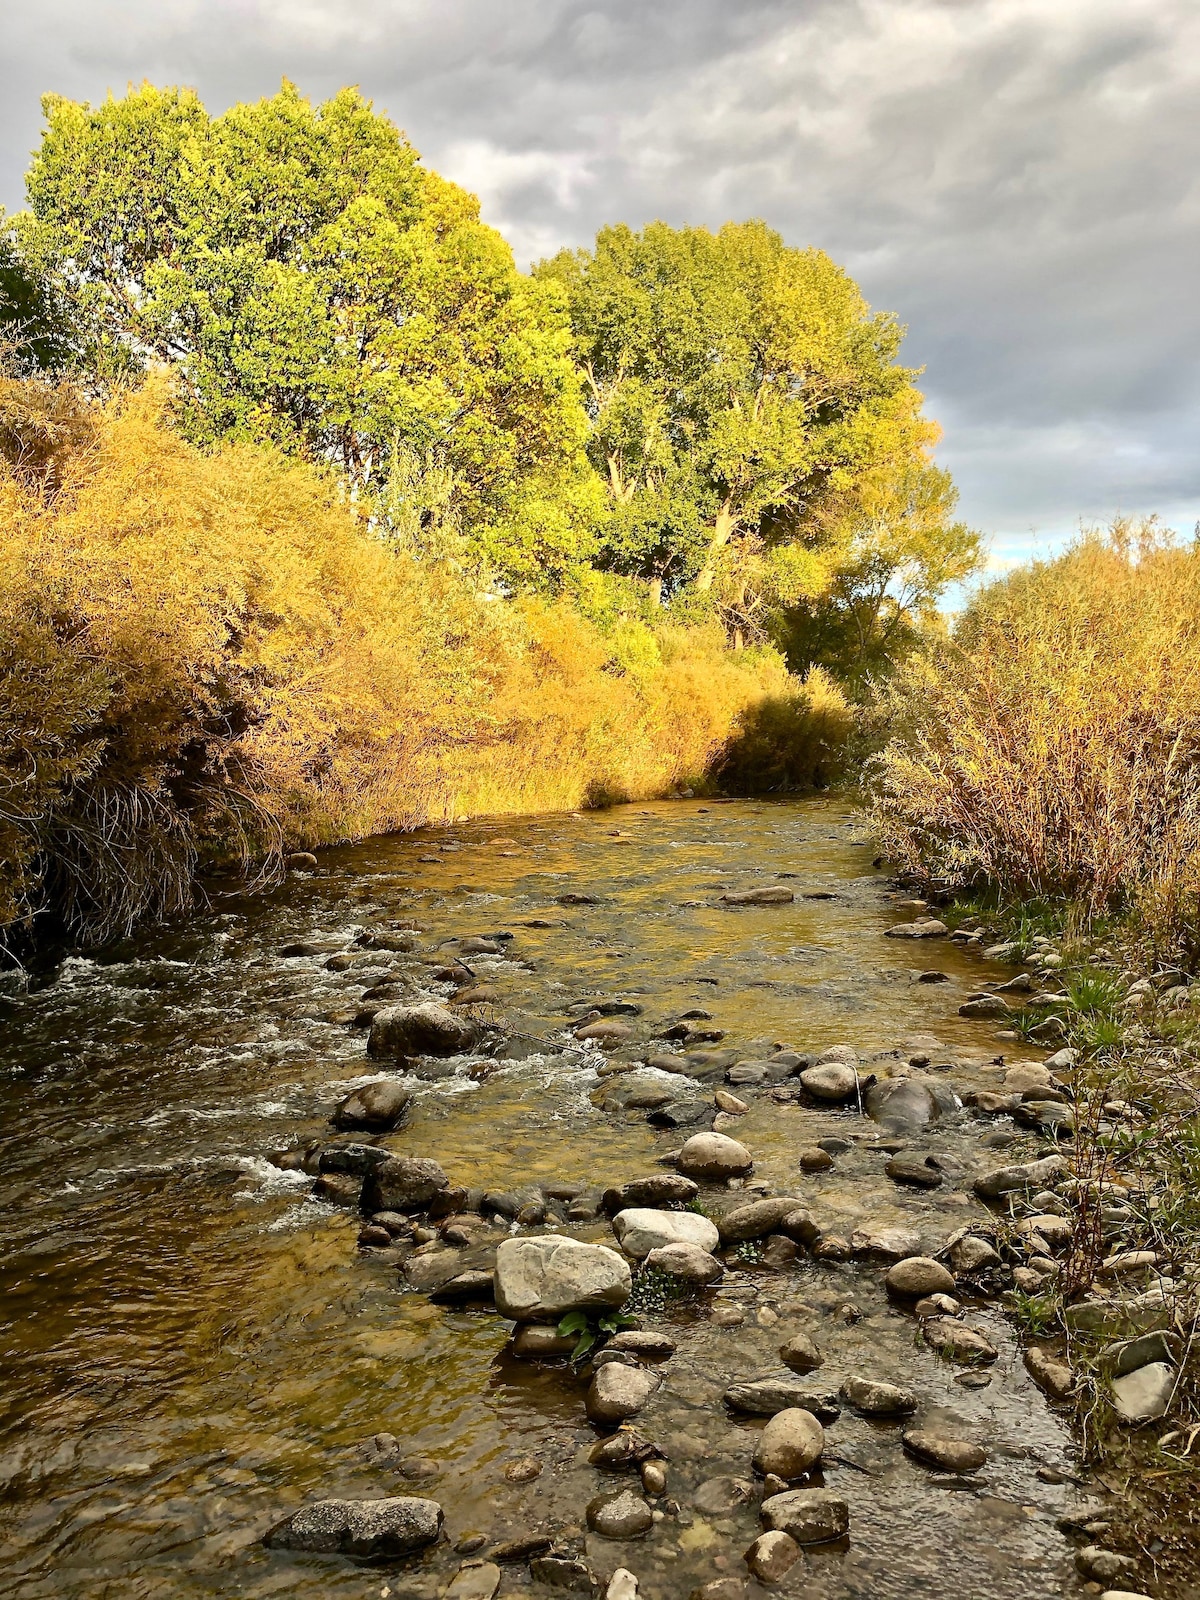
point(213, 654)
point(1053, 746)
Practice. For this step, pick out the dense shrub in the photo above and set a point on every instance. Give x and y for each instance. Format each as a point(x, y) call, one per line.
point(1052, 746)
point(209, 656)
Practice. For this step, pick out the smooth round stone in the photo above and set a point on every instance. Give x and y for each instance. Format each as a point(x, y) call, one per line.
point(477, 1581)
point(618, 1392)
point(811, 1516)
point(728, 1316)
point(639, 1231)
point(919, 1275)
point(688, 1262)
point(937, 1305)
point(622, 1515)
point(714, 1156)
point(791, 1442)
point(834, 1082)
point(814, 1159)
point(772, 1556)
point(952, 1455)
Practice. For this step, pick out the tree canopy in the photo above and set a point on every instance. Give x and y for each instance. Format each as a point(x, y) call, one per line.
point(313, 284)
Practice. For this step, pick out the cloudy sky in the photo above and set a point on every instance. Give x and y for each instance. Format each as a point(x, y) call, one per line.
point(1018, 179)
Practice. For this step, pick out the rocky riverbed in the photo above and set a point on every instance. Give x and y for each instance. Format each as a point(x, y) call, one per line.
point(297, 1200)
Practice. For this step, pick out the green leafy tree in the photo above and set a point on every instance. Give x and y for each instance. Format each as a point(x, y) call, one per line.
point(741, 395)
point(34, 330)
point(313, 284)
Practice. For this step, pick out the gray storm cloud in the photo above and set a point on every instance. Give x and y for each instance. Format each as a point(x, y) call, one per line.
point(1017, 179)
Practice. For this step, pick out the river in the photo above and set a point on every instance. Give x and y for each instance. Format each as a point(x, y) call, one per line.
point(193, 1344)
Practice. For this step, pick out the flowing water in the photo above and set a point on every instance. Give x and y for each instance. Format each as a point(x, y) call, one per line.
point(193, 1345)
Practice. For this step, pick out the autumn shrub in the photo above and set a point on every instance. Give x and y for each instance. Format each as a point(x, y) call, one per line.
point(208, 657)
point(1051, 745)
point(799, 738)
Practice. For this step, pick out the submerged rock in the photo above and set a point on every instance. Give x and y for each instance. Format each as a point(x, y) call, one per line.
point(810, 1516)
point(541, 1279)
point(764, 1397)
point(622, 1515)
point(768, 896)
point(952, 1455)
point(618, 1392)
point(375, 1107)
point(364, 1528)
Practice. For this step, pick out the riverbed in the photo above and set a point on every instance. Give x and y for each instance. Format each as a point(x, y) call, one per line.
point(194, 1344)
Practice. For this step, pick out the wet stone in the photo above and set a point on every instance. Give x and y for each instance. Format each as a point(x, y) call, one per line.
point(375, 1107)
point(800, 1354)
point(717, 1497)
point(917, 1171)
point(687, 1262)
point(618, 1392)
point(621, 1515)
point(915, 1276)
point(772, 1556)
point(874, 1398)
point(477, 1581)
point(541, 1279)
point(370, 1528)
point(713, 1156)
point(951, 1455)
point(764, 1397)
point(957, 1341)
point(790, 1444)
point(810, 1516)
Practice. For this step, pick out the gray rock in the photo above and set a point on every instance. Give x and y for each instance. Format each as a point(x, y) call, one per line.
point(620, 1515)
point(915, 1276)
point(475, 1287)
point(952, 1455)
point(874, 1398)
point(756, 1220)
point(987, 1008)
point(375, 1107)
point(643, 1342)
point(717, 1497)
point(791, 1442)
point(772, 1556)
point(1101, 1565)
point(915, 1170)
point(1054, 1377)
point(1023, 1175)
point(667, 1188)
point(357, 1159)
point(1131, 1354)
point(764, 1397)
point(687, 1262)
point(531, 1343)
point(713, 1156)
point(973, 1254)
point(639, 1231)
point(834, 1082)
point(618, 1392)
point(811, 1516)
point(403, 1183)
point(890, 1243)
point(904, 1105)
point(426, 1029)
point(1145, 1394)
point(923, 928)
point(541, 1279)
point(366, 1528)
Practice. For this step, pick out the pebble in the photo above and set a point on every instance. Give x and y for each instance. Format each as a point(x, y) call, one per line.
point(654, 1477)
point(772, 1556)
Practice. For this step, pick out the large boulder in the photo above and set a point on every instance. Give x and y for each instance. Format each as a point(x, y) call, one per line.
point(715, 1157)
point(541, 1279)
point(364, 1528)
point(639, 1231)
point(421, 1030)
point(375, 1107)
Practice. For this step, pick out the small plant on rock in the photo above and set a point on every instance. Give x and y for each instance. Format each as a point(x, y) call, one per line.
point(592, 1327)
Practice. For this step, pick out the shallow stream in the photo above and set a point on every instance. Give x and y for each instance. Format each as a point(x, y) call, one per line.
point(193, 1345)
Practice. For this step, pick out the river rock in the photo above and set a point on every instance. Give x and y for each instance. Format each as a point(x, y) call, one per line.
point(667, 1188)
point(364, 1528)
point(914, 1170)
point(922, 928)
point(756, 1220)
point(873, 1398)
point(986, 1008)
point(904, 1105)
point(605, 1033)
point(618, 1392)
point(640, 1231)
point(790, 1443)
point(465, 1288)
point(1054, 1377)
point(1101, 1565)
point(764, 1397)
point(560, 1572)
point(772, 1556)
point(623, 1585)
point(531, 1343)
point(952, 1455)
point(478, 1580)
point(800, 1354)
point(713, 1156)
point(915, 1276)
point(1131, 1354)
point(541, 1279)
point(767, 896)
point(957, 1340)
point(620, 1515)
point(643, 1342)
point(1144, 1395)
point(890, 1243)
point(970, 1253)
point(687, 1262)
point(375, 1107)
point(834, 1082)
point(811, 1516)
point(1023, 1175)
point(403, 1183)
point(427, 1029)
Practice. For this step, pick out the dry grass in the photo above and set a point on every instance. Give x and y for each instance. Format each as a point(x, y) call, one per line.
point(207, 657)
point(1052, 747)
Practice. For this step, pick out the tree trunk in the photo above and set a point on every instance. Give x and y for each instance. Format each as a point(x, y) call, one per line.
point(722, 532)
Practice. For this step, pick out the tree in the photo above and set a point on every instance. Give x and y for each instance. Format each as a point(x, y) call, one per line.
point(313, 284)
point(741, 395)
point(33, 329)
